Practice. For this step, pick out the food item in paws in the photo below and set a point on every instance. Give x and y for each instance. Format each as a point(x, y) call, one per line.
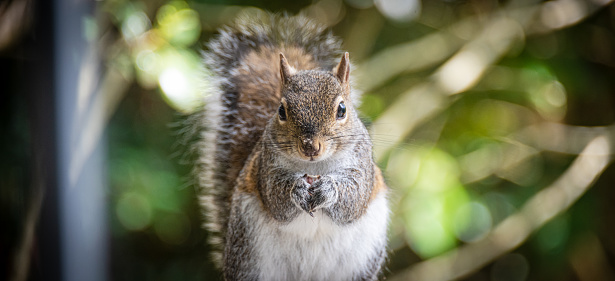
point(310, 179)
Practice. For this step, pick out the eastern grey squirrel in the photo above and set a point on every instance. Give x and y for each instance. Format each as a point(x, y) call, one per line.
point(288, 183)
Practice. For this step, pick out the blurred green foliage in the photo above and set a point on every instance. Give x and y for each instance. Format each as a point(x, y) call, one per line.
point(154, 219)
point(472, 163)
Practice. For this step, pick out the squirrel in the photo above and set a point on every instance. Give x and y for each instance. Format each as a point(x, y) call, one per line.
point(287, 180)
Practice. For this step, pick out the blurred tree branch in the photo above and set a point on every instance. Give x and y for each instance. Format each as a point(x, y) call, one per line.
point(514, 230)
point(436, 47)
point(528, 142)
point(22, 255)
point(563, 138)
point(15, 20)
point(426, 52)
point(425, 100)
point(421, 102)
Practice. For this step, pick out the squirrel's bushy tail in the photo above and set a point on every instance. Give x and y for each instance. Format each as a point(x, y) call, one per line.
point(241, 91)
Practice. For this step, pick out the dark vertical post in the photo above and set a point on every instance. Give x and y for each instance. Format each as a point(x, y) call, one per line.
point(80, 144)
point(68, 138)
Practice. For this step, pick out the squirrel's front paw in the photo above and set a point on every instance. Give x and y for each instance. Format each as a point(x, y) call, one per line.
point(301, 196)
point(323, 193)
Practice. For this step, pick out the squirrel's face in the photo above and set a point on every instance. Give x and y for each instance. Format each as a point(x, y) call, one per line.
point(314, 112)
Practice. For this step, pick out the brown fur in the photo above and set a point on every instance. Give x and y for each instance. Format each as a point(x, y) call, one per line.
point(379, 183)
point(248, 179)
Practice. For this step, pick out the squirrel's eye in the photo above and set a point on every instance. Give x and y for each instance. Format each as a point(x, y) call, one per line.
point(282, 113)
point(341, 111)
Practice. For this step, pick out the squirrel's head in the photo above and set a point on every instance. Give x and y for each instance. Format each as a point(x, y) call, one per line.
point(315, 110)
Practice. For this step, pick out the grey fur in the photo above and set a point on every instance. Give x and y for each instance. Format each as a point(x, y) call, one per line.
point(272, 168)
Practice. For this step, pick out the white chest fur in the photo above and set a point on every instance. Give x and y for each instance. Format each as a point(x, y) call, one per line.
point(316, 248)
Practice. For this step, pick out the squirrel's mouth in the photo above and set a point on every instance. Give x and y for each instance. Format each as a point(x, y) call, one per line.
point(309, 157)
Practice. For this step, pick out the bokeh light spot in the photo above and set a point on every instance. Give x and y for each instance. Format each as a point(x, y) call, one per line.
point(493, 117)
point(399, 10)
point(174, 83)
point(90, 28)
point(146, 60)
point(433, 198)
point(134, 211)
point(178, 89)
point(179, 24)
point(555, 94)
point(136, 24)
point(438, 171)
point(178, 78)
point(404, 166)
point(426, 233)
point(500, 206)
point(472, 222)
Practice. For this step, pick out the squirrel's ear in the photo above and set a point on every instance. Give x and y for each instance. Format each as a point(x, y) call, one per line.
point(285, 69)
point(342, 70)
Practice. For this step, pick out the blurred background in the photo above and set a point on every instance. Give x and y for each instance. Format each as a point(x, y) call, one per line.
point(492, 120)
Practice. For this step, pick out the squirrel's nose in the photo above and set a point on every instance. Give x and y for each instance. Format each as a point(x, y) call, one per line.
point(309, 148)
